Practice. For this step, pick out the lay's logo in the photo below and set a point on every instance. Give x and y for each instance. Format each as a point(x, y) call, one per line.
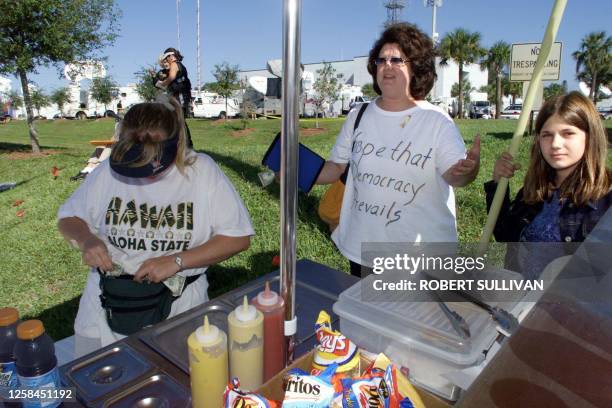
point(332, 343)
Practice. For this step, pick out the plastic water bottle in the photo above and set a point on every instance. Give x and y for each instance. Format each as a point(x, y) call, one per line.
point(36, 362)
point(9, 319)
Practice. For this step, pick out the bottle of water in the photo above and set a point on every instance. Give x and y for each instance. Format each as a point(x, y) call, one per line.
point(36, 364)
point(9, 319)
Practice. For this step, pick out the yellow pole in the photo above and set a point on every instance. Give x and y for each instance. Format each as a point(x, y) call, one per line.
point(502, 185)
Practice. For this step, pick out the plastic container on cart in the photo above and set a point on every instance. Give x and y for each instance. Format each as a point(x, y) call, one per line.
point(417, 335)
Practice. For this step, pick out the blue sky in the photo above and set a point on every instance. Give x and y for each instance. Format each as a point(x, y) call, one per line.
point(249, 32)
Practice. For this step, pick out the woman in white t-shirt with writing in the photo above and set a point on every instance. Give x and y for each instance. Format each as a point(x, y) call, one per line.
point(404, 157)
point(149, 221)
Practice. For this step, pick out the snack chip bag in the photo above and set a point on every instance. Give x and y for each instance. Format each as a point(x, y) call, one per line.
point(333, 348)
point(364, 392)
point(309, 391)
point(402, 393)
point(234, 397)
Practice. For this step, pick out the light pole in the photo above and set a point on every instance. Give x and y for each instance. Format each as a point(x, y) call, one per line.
point(433, 4)
point(178, 26)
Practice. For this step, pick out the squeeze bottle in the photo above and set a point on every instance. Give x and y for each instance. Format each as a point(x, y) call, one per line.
point(246, 345)
point(208, 365)
point(273, 308)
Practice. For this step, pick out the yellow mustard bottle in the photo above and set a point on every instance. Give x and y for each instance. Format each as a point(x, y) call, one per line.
point(246, 342)
point(208, 365)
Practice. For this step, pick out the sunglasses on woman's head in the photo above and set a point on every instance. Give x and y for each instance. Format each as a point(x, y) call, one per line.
point(393, 60)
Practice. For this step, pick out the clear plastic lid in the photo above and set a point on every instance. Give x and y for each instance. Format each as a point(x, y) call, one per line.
point(420, 325)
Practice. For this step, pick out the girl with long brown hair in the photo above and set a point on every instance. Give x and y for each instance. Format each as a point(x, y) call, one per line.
point(567, 185)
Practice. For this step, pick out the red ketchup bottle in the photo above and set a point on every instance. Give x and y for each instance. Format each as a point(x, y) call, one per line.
point(272, 306)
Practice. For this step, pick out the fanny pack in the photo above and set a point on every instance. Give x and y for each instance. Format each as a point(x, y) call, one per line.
point(130, 306)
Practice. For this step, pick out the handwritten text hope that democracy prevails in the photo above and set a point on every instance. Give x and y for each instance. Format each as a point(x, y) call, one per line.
point(404, 153)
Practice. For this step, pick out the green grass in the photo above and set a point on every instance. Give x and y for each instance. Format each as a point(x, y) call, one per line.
point(43, 277)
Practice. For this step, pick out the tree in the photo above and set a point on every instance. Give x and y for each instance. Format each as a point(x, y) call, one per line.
point(247, 106)
point(39, 100)
point(606, 80)
point(326, 87)
point(496, 59)
point(42, 32)
point(103, 90)
point(593, 60)
point(145, 87)
point(14, 99)
point(467, 88)
point(489, 89)
point(209, 87)
point(368, 90)
point(464, 48)
point(512, 88)
point(227, 81)
point(61, 97)
point(555, 89)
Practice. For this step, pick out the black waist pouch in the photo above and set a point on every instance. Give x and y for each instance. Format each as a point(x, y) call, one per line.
point(130, 306)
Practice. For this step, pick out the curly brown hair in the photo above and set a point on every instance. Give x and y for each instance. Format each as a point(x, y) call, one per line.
point(418, 48)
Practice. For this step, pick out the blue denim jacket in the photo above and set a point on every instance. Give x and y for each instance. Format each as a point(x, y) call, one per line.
point(575, 222)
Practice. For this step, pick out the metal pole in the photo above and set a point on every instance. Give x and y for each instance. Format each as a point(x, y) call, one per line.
point(178, 27)
point(549, 38)
point(289, 162)
point(198, 52)
point(434, 37)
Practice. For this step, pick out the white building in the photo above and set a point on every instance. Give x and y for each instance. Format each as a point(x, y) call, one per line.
point(355, 72)
point(5, 85)
point(448, 75)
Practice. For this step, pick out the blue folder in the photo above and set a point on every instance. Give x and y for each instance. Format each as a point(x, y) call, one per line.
point(310, 163)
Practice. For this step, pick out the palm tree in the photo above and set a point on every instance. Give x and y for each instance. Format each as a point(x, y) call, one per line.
point(555, 89)
point(593, 60)
point(514, 89)
point(496, 59)
point(463, 47)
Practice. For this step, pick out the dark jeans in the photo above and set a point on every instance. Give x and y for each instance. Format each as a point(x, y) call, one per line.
point(359, 271)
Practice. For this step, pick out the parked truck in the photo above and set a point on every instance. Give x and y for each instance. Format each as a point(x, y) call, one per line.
point(212, 105)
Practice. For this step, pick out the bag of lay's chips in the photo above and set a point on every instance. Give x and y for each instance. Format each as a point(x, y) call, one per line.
point(234, 397)
point(310, 391)
point(333, 348)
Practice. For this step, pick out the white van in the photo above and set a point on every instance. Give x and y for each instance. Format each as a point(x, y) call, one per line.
point(212, 105)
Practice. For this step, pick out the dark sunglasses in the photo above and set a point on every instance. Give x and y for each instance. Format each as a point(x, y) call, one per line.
point(393, 60)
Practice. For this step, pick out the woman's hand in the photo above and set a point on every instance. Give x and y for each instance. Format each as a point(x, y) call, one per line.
point(504, 167)
point(157, 269)
point(465, 170)
point(95, 253)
